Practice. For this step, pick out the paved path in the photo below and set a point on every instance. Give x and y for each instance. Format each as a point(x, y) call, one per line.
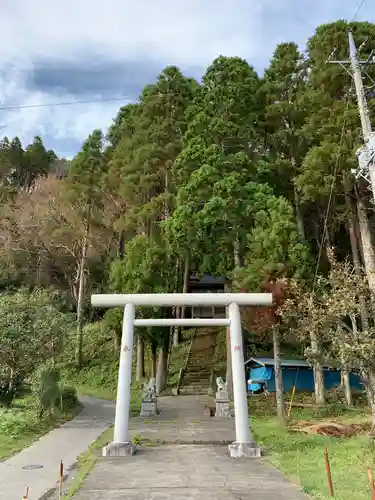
point(66, 443)
point(182, 421)
point(188, 471)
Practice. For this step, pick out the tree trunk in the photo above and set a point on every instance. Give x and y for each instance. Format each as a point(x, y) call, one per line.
point(177, 309)
point(318, 371)
point(354, 244)
point(345, 377)
point(118, 336)
point(278, 377)
point(161, 371)
point(53, 354)
point(236, 252)
point(299, 217)
point(368, 377)
point(367, 246)
point(185, 286)
point(347, 387)
point(228, 375)
point(121, 245)
point(153, 360)
point(176, 329)
point(140, 371)
point(80, 301)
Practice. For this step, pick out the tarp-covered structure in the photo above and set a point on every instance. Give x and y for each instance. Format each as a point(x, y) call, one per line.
point(296, 372)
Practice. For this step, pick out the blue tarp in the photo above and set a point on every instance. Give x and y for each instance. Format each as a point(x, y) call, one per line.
point(261, 374)
point(302, 377)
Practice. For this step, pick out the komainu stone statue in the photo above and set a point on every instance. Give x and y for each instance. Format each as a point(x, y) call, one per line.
point(222, 386)
point(222, 399)
point(149, 400)
point(149, 390)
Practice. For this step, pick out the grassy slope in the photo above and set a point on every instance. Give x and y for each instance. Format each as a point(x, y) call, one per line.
point(301, 457)
point(20, 426)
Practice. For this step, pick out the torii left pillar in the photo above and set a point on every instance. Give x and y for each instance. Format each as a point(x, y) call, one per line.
point(122, 445)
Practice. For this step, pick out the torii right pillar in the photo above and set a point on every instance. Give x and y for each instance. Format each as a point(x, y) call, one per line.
point(244, 445)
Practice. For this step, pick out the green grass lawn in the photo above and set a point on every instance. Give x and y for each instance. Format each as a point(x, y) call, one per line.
point(20, 425)
point(301, 457)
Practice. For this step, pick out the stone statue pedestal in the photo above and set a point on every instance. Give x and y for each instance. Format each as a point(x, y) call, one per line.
point(149, 408)
point(222, 404)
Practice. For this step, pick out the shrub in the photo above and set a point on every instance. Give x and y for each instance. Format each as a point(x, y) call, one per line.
point(10, 389)
point(68, 398)
point(31, 331)
point(48, 390)
point(97, 340)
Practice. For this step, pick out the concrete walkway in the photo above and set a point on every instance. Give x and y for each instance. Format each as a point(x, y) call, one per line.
point(66, 442)
point(193, 463)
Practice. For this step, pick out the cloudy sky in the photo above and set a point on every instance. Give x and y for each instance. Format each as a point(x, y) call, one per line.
point(79, 50)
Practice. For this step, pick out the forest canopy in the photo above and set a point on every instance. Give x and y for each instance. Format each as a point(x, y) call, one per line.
point(243, 176)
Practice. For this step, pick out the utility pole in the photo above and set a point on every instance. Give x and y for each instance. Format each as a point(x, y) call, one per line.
point(366, 153)
point(361, 96)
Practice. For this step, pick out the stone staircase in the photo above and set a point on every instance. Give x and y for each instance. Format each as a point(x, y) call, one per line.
point(196, 377)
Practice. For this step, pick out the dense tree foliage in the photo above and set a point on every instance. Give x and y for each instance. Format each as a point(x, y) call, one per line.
point(241, 176)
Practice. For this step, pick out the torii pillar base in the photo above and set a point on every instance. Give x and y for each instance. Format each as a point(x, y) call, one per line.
point(239, 450)
point(119, 450)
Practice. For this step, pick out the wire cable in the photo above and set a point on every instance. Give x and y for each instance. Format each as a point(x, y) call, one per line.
point(331, 192)
point(358, 10)
point(68, 103)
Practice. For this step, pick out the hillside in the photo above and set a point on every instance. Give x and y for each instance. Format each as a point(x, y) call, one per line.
point(241, 178)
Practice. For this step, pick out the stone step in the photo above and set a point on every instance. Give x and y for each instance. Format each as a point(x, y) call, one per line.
point(204, 379)
point(206, 333)
point(198, 369)
point(191, 381)
point(200, 352)
point(203, 343)
point(196, 385)
point(203, 363)
point(195, 369)
point(197, 373)
point(193, 390)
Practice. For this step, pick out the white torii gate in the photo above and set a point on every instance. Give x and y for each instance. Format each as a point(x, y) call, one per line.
point(121, 445)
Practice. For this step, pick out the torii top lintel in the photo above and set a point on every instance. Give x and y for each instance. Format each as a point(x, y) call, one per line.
point(181, 299)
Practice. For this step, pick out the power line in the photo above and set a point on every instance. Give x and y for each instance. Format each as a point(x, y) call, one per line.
point(337, 161)
point(358, 10)
point(68, 103)
point(338, 157)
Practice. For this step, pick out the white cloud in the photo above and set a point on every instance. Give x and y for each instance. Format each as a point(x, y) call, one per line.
point(189, 33)
point(182, 31)
point(171, 32)
point(62, 123)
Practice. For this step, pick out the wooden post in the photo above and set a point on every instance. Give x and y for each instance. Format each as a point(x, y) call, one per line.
point(328, 470)
point(291, 401)
point(371, 481)
point(61, 479)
